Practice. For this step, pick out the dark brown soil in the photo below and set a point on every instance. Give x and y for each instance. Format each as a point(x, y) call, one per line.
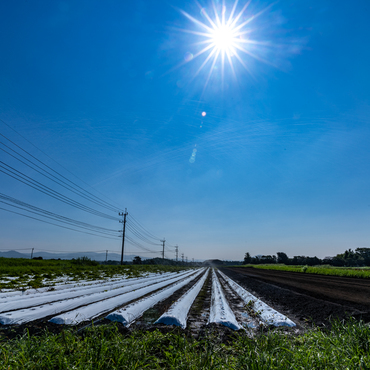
point(154, 313)
point(306, 298)
point(199, 311)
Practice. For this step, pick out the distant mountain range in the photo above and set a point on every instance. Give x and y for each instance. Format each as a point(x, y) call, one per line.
point(68, 256)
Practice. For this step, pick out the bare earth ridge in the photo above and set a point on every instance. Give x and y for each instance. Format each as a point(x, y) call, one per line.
point(306, 297)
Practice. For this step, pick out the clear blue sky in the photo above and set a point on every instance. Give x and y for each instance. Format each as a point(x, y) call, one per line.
point(282, 155)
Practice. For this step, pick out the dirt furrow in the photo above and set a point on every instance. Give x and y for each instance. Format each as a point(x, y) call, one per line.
point(247, 319)
point(334, 288)
point(300, 305)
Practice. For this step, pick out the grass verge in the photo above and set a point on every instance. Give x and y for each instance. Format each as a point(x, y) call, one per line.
point(346, 346)
point(319, 270)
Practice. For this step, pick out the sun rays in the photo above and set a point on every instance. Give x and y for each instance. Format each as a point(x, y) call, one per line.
point(224, 38)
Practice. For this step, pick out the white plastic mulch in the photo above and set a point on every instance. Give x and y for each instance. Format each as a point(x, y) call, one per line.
point(93, 310)
point(128, 314)
point(221, 312)
point(39, 311)
point(37, 299)
point(267, 314)
point(177, 314)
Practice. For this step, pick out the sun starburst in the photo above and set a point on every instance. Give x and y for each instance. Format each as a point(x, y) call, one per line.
point(225, 36)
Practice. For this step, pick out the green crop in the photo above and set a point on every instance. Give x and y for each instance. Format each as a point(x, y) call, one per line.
point(27, 273)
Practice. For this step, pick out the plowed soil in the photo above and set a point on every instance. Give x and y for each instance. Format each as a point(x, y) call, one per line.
point(307, 298)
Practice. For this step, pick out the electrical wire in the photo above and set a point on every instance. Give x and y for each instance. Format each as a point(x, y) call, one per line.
point(115, 207)
point(65, 222)
point(64, 227)
point(144, 230)
point(52, 177)
point(132, 241)
point(51, 215)
point(134, 226)
point(20, 176)
point(138, 235)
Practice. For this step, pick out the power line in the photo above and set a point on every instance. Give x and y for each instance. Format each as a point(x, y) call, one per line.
point(116, 208)
point(138, 235)
point(133, 242)
point(51, 223)
point(52, 177)
point(144, 233)
point(37, 165)
point(20, 176)
point(51, 215)
point(144, 230)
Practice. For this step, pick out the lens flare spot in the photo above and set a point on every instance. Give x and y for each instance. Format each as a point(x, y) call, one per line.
point(188, 57)
point(193, 155)
point(203, 12)
point(204, 114)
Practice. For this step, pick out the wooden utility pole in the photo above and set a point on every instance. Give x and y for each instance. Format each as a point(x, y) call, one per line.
point(163, 241)
point(123, 231)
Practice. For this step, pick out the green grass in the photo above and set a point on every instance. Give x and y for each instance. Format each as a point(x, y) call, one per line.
point(346, 346)
point(358, 272)
point(38, 273)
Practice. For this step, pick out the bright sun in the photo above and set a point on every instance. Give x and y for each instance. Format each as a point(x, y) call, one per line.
point(225, 35)
point(223, 38)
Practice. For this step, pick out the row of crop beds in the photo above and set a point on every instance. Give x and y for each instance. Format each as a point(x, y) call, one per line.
point(125, 300)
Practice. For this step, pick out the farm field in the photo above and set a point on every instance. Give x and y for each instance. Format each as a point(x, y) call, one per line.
point(141, 296)
point(129, 299)
point(308, 297)
point(21, 273)
point(192, 318)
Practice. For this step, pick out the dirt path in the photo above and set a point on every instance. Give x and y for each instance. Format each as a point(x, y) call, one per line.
point(304, 297)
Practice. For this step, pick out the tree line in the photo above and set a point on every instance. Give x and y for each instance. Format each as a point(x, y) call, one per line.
point(358, 257)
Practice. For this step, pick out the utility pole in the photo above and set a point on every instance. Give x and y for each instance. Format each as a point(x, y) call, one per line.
point(106, 256)
point(177, 252)
point(123, 232)
point(182, 257)
point(32, 253)
point(163, 241)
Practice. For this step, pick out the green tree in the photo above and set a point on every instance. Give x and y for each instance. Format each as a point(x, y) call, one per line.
point(365, 254)
point(247, 258)
point(282, 258)
point(136, 261)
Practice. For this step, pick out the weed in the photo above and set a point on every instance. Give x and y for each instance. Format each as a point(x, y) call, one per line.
point(304, 268)
point(346, 346)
